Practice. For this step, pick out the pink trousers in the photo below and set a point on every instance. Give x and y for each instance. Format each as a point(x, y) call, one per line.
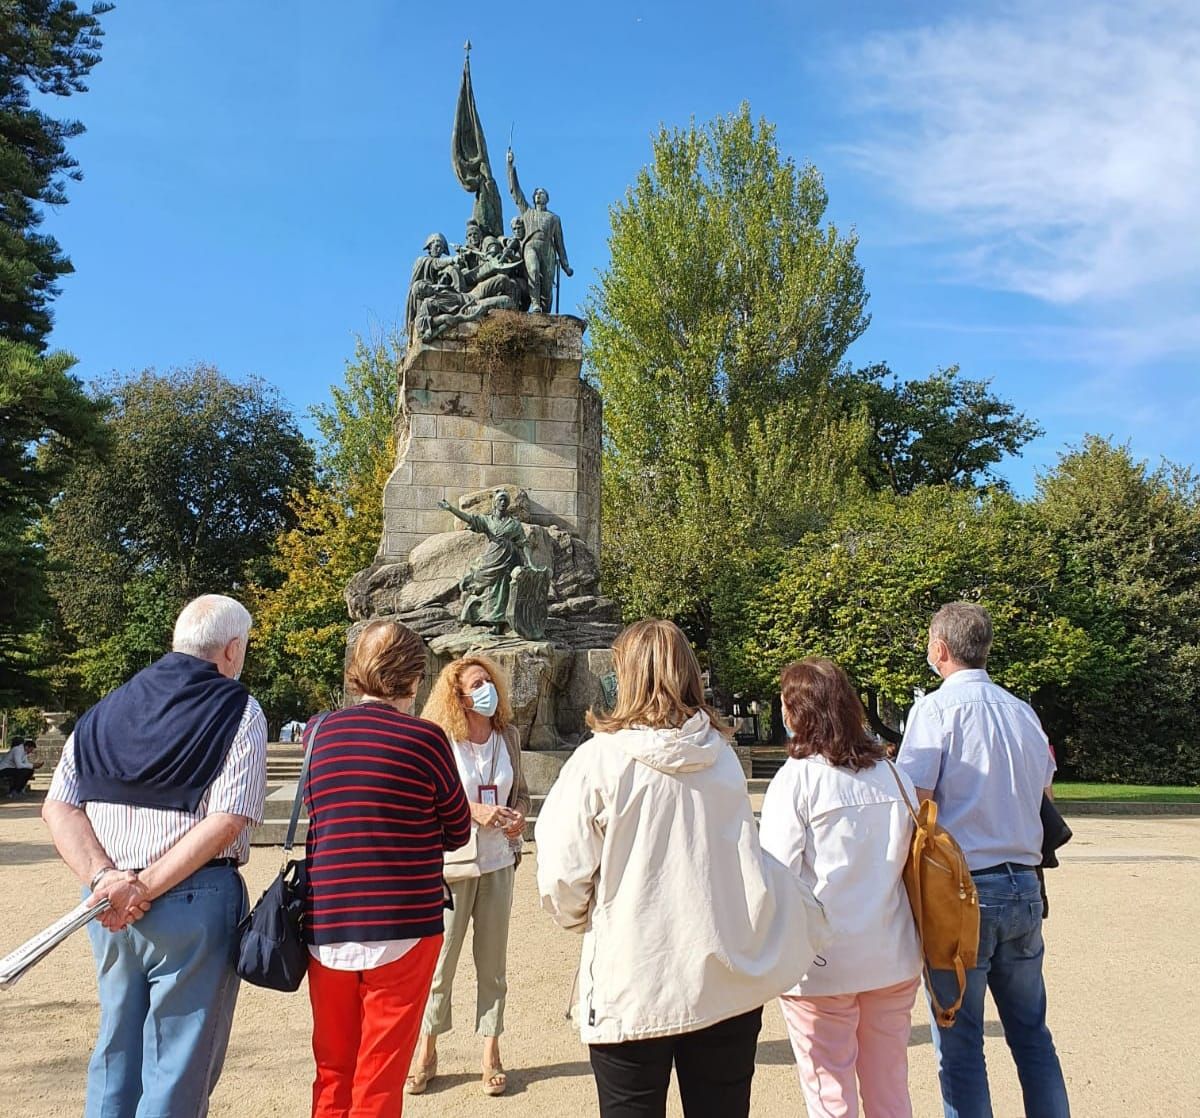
point(841, 1038)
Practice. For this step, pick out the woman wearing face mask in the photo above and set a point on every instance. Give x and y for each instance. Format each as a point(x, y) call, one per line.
point(470, 702)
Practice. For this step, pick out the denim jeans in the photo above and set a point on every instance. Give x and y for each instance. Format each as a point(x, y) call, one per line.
point(167, 994)
point(1010, 965)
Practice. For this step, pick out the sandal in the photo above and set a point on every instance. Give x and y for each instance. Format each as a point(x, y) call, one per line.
point(495, 1081)
point(417, 1081)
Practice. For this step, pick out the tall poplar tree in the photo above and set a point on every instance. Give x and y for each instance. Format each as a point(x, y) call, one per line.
point(716, 332)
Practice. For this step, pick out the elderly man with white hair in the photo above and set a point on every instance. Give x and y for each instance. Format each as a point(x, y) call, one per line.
point(150, 808)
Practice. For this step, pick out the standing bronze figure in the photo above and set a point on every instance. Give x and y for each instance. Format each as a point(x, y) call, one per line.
point(543, 245)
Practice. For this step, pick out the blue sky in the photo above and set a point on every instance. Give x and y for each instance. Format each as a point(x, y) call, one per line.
point(1024, 178)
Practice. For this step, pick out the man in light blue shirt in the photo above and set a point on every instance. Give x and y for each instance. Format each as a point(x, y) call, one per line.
point(983, 757)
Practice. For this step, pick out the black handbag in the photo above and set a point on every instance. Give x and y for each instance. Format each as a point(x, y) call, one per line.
point(1055, 833)
point(272, 952)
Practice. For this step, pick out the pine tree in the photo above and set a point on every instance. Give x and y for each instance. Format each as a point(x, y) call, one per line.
point(47, 47)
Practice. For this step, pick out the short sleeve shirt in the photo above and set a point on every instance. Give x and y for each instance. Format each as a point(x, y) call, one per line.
point(987, 760)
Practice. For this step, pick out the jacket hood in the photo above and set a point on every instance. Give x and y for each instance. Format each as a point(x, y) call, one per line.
point(681, 749)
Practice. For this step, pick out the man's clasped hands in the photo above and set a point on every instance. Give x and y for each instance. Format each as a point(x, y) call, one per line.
point(127, 896)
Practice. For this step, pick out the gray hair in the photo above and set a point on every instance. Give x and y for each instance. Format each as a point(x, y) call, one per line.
point(967, 631)
point(208, 623)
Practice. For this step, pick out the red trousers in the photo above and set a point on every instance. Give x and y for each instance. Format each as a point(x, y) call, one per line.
point(365, 1027)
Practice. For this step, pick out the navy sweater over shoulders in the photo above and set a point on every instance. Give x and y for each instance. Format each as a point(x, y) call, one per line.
point(384, 802)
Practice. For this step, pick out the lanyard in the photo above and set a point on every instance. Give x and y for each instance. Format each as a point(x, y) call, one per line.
point(491, 780)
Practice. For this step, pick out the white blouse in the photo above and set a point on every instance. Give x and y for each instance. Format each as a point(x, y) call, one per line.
point(847, 835)
point(488, 763)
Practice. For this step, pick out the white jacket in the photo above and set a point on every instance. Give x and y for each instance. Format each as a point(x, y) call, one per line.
point(647, 845)
point(847, 834)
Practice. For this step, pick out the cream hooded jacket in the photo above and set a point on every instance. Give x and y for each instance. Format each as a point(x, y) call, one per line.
point(647, 845)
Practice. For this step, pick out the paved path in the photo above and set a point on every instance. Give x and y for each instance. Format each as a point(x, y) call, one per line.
point(1122, 970)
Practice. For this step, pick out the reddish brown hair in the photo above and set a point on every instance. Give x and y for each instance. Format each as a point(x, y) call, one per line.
point(445, 704)
point(825, 715)
point(387, 661)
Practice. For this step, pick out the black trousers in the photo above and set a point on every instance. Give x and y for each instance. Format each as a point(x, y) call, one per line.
point(714, 1067)
point(18, 779)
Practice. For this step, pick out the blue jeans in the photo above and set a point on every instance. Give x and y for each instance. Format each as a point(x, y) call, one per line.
point(1010, 965)
point(167, 995)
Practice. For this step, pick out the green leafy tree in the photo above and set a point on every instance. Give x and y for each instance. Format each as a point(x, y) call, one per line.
point(47, 47)
point(715, 334)
point(19, 722)
point(192, 497)
point(862, 592)
point(300, 619)
point(1131, 538)
point(47, 423)
point(358, 424)
point(942, 430)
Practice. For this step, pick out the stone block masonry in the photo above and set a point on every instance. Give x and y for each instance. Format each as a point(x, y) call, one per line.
point(469, 420)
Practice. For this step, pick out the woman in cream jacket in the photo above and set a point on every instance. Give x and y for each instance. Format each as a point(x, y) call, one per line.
point(647, 846)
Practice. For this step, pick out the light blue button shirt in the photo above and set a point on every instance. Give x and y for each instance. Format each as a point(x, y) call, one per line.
point(987, 759)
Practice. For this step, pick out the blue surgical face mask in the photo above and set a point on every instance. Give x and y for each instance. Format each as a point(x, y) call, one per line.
point(485, 699)
point(933, 667)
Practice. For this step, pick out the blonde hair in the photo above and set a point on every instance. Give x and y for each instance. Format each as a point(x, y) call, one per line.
point(658, 680)
point(444, 705)
point(387, 661)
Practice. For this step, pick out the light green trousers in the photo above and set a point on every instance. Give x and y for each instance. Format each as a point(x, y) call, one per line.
point(485, 901)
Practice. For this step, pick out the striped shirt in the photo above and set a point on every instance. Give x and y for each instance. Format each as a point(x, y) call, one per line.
point(135, 837)
point(384, 802)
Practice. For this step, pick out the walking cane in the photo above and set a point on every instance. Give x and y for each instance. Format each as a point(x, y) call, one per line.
point(557, 285)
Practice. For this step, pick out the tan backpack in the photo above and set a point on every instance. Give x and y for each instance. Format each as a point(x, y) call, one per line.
point(944, 902)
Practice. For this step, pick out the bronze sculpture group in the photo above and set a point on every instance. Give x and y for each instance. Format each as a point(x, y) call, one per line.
point(489, 271)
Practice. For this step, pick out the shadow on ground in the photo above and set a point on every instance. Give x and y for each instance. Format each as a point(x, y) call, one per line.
point(518, 1078)
point(923, 1034)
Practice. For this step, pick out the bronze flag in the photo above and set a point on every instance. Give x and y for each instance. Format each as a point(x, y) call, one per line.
point(469, 157)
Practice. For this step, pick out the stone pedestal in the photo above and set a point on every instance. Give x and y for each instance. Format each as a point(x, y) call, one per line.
point(498, 402)
point(551, 686)
point(51, 740)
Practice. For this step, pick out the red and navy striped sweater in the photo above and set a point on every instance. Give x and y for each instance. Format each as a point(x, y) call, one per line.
point(384, 801)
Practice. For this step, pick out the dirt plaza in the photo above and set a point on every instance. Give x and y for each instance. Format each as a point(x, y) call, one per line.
point(1122, 977)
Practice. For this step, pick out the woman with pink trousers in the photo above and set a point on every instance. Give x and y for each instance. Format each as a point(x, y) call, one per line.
point(834, 813)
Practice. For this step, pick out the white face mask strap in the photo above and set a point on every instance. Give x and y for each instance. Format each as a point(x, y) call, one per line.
point(485, 698)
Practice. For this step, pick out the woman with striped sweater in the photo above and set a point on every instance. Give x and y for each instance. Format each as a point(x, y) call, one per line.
point(384, 803)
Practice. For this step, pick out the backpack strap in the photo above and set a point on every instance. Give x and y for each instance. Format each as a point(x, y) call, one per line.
point(904, 792)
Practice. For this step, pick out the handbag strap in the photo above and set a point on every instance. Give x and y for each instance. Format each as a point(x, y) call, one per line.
point(299, 799)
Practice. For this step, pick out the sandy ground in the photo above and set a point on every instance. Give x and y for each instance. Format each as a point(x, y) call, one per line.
point(1122, 969)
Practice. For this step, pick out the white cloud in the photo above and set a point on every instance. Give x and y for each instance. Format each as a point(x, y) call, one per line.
point(1060, 143)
